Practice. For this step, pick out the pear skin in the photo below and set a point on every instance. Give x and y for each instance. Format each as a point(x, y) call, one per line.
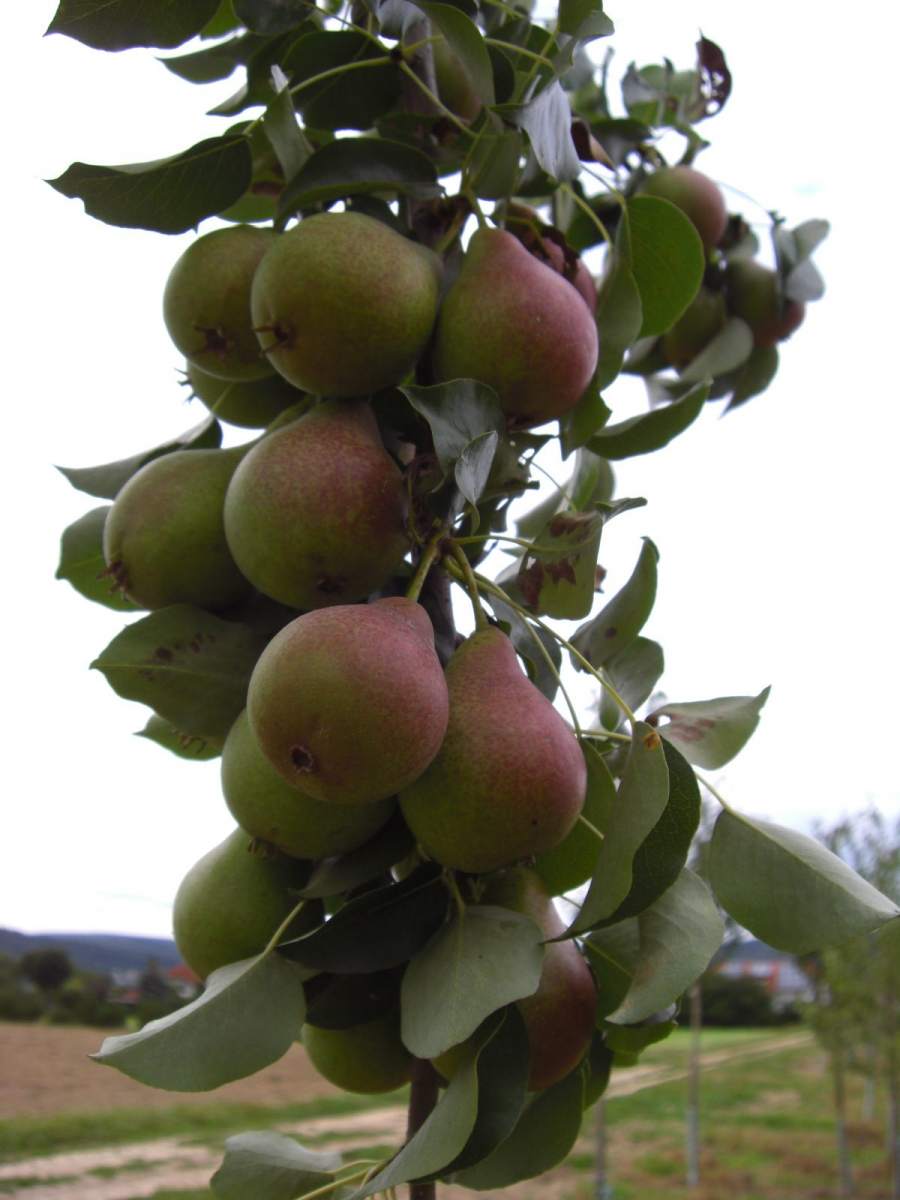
point(368, 1058)
point(519, 326)
point(315, 513)
point(703, 318)
point(509, 779)
point(206, 303)
point(696, 195)
point(343, 305)
point(754, 295)
point(231, 902)
point(559, 1016)
point(349, 703)
point(249, 403)
point(268, 807)
point(164, 538)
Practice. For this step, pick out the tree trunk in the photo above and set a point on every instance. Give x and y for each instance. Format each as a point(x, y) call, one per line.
point(845, 1174)
point(892, 1070)
point(602, 1188)
point(693, 1104)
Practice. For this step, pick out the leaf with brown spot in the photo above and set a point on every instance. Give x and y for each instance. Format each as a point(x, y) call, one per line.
point(711, 732)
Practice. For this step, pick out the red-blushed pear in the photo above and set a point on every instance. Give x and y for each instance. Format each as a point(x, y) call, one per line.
point(755, 296)
point(559, 1016)
point(535, 236)
point(248, 403)
point(206, 304)
point(315, 513)
point(350, 703)
point(232, 901)
point(265, 805)
point(343, 305)
point(703, 318)
point(509, 779)
point(515, 323)
point(164, 537)
point(696, 195)
point(368, 1058)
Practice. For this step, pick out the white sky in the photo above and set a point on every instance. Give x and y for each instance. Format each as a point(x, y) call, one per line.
point(776, 527)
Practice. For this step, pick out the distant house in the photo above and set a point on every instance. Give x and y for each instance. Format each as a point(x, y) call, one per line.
point(783, 978)
point(183, 981)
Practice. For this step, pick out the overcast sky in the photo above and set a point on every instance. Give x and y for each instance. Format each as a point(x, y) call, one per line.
point(776, 526)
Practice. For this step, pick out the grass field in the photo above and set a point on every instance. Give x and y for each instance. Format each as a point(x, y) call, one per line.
point(767, 1134)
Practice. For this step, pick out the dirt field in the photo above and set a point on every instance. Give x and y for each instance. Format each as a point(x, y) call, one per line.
point(45, 1069)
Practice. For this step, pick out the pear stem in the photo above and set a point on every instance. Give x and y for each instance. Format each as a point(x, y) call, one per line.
point(606, 734)
point(429, 554)
point(713, 792)
point(588, 212)
point(381, 61)
point(471, 585)
point(593, 828)
point(453, 888)
point(538, 58)
point(285, 924)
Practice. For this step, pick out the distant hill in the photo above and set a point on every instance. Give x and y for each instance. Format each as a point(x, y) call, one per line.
point(94, 951)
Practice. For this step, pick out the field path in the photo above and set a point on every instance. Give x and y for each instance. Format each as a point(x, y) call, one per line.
point(144, 1168)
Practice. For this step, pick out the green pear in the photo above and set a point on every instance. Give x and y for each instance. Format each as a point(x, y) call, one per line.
point(349, 703)
point(559, 1016)
point(268, 807)
point(232, 901)
point(696, 195)
point(343, 305)
point(509, 780)
point(248, 403)
point(703, 318)
point(206, 304)
point(368, 1058)
point(754, 295)
point(164, 537)
point(315, 513)
point(513, 322)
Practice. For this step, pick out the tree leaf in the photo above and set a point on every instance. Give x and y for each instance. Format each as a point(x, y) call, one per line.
point(544, 1135)
point(494, 164)
point(457, 413)
point(390, 845)
point(711, 732)
point(584, 19)
point(728, 350)
point(547, 120)
point(170, 195)
point(787, 889)
point(591, 484)
point(108, 480)
point(380, 929)
point(612, 954)
point(82, 564)
point(619, 623)
point(559, 578)
point(191, 667)
point(465, 40)
point(652, 430)
point(197, 749)
point(212, 63)
point(359, 166)
point(271, 17)
point(573, 861)
point(284, 134)
point(754, 376)
point(248, 1017)
point(666, 257)
point(620, 317)
point(634, 672)
point(121, 24)
point(678, 935)
point(474, 465)
point(640, 801)
point(627, 1041)
point(485, 958)
point(580, 423)
point(352, 102)
point(270, 1166)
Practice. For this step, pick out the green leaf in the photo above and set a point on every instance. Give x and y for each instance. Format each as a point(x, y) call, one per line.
point(599, 1066)
point(121, 24)
point(787, 889)
point(666, 257)
point(558, 578)
point(485, 958)
point(248, 1017)
point(457, 413)
point(271, 17)
point(634, 672)
point(572, 862)
point(465, 40)
point(380, 929)
point(619, 623)
point(544, 1135)
point(359, 166)
point(579, 424)
point(728, 350)
point(592, 483)
point(388, 847)
point(197, 749)
point(755, 375)
point(547, 120)
point(711, 732)
point(210, 64)
point(494, 164)
point(627, 1041)
point(191, 667)
point(270, 1166)
point(284, 134)
point(677, 937)
point(612, 957)
point(170, 195)
point(584, 19)
point(474, 465)
point(652, 430)
point(352, 101)
point(619, 318)
point(108, 480)
point(640, 801)
point(82, 564)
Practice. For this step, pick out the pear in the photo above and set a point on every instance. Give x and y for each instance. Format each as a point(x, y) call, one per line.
point(343, 305)
point(544, 242)
point(703, 318)
point(249, 403)
point(754, 294)
point(368, 1058)
point(454, 86)
point(509, 780)
point(268, 807)
point(559, 1016)
point(164, 537)
point(516, 324)
point(315, 513)
point(696, 195)
point(349, 703)
point(206, 303)
point(231, 902)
